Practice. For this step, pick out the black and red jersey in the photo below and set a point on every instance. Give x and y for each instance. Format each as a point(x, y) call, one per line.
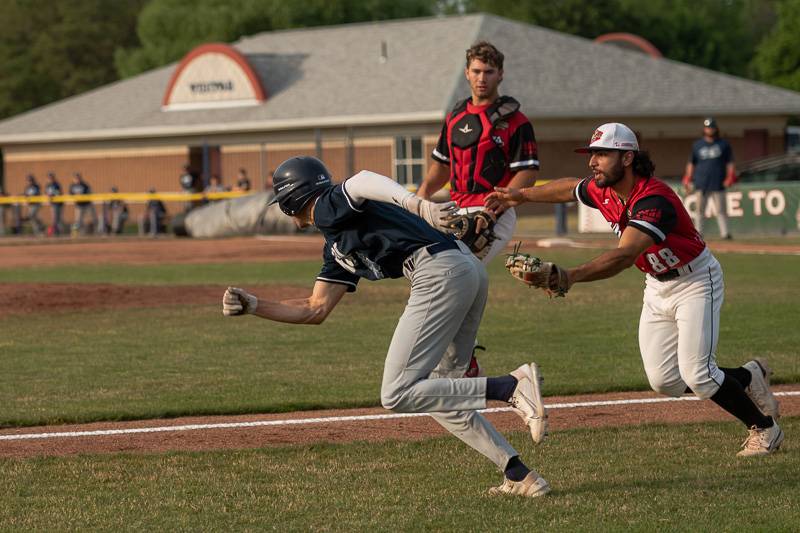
point(484, 146)
point(654, 208)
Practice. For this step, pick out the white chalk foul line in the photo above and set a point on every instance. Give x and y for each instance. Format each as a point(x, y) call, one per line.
point(330, 419)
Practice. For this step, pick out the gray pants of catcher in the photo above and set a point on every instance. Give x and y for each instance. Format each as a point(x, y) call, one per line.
point(437, 330)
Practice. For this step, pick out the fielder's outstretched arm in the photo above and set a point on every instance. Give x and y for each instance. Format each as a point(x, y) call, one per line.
point(557, 191)
point(632, 244)
point(312, 310)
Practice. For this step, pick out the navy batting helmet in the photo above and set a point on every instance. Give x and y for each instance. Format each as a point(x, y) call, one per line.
point(297, 181)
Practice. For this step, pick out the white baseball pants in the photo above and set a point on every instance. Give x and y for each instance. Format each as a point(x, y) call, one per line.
point(679, 329)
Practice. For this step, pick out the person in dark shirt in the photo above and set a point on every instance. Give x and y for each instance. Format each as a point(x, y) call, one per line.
point(242, 182)
point(375, 229)
point(53, 188)
point(115, 213)
point(32, 189)
point(709, 172)
point(153, 220)
point(82, 207)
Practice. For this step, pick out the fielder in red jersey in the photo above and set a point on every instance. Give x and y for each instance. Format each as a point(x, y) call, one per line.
point(684, 290)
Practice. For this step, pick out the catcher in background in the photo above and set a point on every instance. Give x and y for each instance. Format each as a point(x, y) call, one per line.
point(679, 325)
point(486, 141)
point(375, 229)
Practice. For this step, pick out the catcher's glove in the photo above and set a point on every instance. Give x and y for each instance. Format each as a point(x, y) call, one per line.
point(537, 273)
point(476, 230)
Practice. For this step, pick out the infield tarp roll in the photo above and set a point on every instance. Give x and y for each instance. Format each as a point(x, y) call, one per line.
point(248, 215)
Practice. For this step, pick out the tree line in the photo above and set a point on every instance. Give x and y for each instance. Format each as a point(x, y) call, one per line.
point(53, 50)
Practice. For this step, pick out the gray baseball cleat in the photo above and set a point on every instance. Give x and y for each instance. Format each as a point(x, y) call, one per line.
point(527, 400)
point(762, 441)
point(532, 486)
point(759, 390)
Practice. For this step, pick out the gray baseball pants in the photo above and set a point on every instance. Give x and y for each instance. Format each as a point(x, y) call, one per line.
point(437, 329)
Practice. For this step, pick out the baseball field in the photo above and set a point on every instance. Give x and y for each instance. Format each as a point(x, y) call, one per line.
point(129, 402)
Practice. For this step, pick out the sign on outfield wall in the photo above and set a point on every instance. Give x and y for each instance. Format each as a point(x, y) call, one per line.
point(751, 208)
point(212, 76)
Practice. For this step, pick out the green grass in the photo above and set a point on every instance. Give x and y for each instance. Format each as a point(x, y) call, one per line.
point(183, 360)
point(645, 478)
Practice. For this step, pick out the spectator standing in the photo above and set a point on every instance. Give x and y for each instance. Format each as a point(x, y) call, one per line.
point(32, 189)
point(709, 172)
point(153, 220)
point(243, 183)
point(3, 212)
point(214, 185)
point(115, 214)
point(82, 207)
point(190, 183)
point(53, 188)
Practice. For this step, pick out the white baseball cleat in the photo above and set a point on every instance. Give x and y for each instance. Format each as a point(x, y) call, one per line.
point(532, 486)
point(527, 400)
point(762, 441)
point(759, 390)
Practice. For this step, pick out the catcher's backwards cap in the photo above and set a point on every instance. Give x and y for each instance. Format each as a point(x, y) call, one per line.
point(297, 181)
point(611, 136)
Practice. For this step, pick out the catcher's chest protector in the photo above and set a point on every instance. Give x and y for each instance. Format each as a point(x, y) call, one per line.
point(479, 144)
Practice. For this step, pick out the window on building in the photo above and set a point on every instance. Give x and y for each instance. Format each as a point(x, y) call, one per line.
point(409, 162)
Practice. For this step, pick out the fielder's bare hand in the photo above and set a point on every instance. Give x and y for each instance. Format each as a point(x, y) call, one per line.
point(238, 302)
point(502, 198)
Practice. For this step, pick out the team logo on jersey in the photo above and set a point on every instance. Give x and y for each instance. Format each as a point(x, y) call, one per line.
point(649, 215)
point(347, 261)
point(497, 140)
point(710, 152)
point(465, 129)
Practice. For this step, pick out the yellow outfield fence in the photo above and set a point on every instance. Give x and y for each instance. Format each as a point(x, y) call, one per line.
point(129, 197)
point(137, 197)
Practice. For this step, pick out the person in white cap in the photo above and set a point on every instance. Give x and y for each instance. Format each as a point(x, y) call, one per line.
point(684, 290)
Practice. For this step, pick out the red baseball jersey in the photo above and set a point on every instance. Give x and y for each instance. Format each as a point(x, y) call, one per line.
point(654, 208)
point(484, 146)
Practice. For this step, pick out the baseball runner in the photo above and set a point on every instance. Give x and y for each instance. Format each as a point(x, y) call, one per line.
point(486, 141)
point(684, 290)
point(375, 229)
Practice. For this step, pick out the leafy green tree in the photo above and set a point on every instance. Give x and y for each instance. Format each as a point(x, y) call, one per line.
point(52, 50)
point(168, 29)
point(715, 34)
point(777, 59)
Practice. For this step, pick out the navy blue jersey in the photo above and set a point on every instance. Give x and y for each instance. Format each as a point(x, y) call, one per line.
point(710, 160)
point(370, 240)
point(32, 190)
point(80, 188)
point(53, 188)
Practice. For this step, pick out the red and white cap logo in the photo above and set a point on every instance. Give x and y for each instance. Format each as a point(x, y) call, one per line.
point(611, 136)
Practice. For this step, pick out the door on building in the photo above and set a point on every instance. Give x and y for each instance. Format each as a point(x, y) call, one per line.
point(756, 144)
point(205, 161)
